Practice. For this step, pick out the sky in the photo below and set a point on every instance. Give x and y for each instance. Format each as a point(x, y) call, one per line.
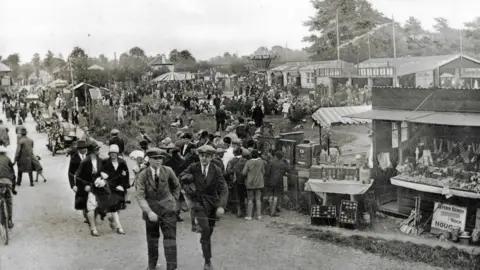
point(204, 27)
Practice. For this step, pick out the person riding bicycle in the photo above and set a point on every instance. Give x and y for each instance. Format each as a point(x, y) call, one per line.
point(7, 179)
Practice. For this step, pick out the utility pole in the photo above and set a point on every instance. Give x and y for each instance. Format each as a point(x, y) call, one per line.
point(338, 39)
point(393, 37)
point(369, 49)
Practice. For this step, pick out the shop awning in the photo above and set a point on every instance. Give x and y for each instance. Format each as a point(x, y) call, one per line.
point(450, 119)
point(335, 115)
point(390, 115)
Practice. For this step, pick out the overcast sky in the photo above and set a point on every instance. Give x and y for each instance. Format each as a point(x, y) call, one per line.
point(205, 27)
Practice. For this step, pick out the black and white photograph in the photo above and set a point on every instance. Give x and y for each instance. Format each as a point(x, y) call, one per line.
point(239, 135)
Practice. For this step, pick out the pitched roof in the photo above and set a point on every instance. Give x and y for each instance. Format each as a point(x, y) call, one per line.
point(95, 67)
point(414, 64)
point(160, 60)
point(4, 68)
point(312, 65)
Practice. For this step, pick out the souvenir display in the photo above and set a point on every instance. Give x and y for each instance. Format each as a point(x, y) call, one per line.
point(442, 162)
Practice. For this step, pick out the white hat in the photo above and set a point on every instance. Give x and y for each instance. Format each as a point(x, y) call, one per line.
point(3, 149)
point(114, 149)
point(72, 134)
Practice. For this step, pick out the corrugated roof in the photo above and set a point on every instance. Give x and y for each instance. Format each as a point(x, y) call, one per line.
point(414, 64)
point(423, 117)
point(389, 115)
point(450, 119)
point(335, 115)
point(298, 66)
point(4, 68)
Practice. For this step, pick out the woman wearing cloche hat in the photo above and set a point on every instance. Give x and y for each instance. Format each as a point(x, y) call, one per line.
point(118, 182)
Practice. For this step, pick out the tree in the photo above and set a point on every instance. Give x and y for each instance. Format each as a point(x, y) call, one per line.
point(26, 70)
point(472, 34)
point(103, 61)
point(36, 62)
point(79, 62)
point(174, 56)
point(186, 56)
point(13, 61)
point(356, 19)
point(48, 61)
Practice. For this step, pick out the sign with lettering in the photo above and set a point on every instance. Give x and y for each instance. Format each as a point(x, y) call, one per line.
point(470, 73)
point(447, 216)
point(376, 72)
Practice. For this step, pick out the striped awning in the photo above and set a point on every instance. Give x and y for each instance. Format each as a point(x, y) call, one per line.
point(336, 115)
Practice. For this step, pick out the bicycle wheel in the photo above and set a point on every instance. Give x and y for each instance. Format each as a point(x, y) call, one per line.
point(3, 222)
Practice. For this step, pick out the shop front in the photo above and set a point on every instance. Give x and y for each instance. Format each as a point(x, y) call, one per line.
point(427, 148)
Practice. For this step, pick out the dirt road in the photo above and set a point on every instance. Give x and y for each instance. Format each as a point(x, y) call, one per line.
point(50, 235)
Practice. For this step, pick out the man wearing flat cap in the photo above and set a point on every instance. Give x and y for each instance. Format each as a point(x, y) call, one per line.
point(158, 189)
point(205, 186)
point(75, 160)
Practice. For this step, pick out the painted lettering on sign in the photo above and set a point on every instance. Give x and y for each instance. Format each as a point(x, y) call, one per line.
point(447, 216)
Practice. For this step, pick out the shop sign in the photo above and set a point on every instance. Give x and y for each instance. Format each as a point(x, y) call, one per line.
point(375, 71)
point(447, 216)
point(329, 72)
point(470, 72)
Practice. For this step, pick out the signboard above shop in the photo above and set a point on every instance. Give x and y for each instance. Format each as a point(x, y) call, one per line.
point(470, 73)
point(376, 72)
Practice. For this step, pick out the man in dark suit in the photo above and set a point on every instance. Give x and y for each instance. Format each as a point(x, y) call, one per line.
point(115, 139)
point(205, 186)
point(75, 161)
point(158, 189)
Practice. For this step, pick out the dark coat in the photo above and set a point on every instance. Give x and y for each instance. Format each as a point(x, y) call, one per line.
point(84, 176)
point(276, 170)
point(162, 199)
point(75, 161)
point(116, 177)
point(210, 192)
point(118, 141)
point(24, 155)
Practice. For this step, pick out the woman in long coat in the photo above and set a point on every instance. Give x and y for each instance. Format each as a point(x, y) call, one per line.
point(24, 156)
point(118, 182)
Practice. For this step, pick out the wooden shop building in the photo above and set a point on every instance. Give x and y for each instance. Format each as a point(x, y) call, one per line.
point(426, 149)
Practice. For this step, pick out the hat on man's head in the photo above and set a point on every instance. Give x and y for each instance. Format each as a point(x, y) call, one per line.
point(23, 130)
point(217, 134)
point(81, 144)
point(142, 129)
point(206, 149)
point(236, 141)
point(114, 132)
point(220, 150)
point(93, 146)
point(179, 134)
point(114, 149)
point(155, 152)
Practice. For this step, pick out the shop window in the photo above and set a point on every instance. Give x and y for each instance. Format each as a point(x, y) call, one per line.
point(310, 77)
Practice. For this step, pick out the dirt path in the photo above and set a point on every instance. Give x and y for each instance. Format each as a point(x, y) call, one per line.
point(50, 235)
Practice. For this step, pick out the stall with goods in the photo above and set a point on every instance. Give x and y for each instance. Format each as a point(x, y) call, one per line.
point(427, 149)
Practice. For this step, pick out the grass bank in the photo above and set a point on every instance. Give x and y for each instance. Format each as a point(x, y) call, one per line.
point(449, 258)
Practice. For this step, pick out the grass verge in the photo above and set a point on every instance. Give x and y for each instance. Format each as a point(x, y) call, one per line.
point(436, 256)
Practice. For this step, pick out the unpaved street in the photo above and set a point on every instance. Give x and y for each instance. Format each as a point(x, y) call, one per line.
point(50, 235)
